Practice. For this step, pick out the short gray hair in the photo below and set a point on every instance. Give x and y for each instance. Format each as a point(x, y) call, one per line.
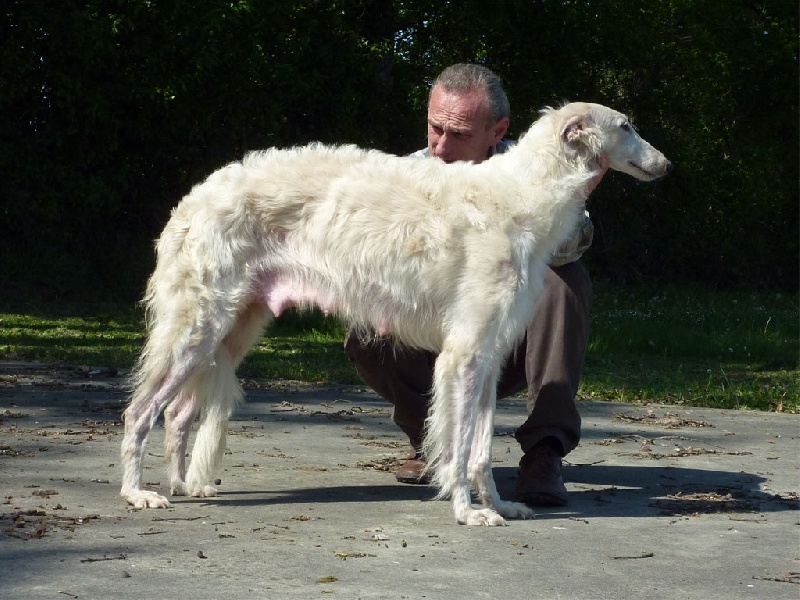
point(465, 77)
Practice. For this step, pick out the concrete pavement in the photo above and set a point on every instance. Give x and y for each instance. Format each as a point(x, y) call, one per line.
point(665, 502)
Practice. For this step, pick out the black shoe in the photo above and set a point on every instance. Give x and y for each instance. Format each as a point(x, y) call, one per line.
point(539, 482)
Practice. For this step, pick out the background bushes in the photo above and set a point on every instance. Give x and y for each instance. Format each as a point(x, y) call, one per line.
point(111, 110)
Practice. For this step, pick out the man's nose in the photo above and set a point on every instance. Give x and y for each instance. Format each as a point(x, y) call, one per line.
point(442, 149)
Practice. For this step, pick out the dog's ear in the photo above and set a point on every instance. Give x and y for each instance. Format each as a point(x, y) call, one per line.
point(573, 129)
point(580, 136)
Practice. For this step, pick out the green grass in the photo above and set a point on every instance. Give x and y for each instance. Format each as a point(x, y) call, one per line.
point(686, 346)
point(50, 337)
point(696, 347)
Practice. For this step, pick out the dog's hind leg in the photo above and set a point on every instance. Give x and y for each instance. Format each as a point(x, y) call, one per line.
point(480, 458)
point(217, 392)
point(178, 418)
point(140, 416)
point(170, 360)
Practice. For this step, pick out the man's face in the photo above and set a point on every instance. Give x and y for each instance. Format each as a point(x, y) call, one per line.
point(459, 126)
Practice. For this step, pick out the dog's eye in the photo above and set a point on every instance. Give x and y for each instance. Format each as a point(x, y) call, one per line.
point(626, 127)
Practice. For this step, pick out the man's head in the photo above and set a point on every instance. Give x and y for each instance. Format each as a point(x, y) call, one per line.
point(468, 113)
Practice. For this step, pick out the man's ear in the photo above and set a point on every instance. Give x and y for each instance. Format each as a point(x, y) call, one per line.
point(499, 130)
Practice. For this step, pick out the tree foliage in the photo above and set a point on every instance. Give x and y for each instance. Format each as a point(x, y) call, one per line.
point(113, 109)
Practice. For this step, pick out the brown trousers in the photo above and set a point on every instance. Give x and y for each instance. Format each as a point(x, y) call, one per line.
point(549, 362)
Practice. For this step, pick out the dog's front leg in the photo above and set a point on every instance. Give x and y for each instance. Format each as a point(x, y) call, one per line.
point(480, 458)
point(459, 378)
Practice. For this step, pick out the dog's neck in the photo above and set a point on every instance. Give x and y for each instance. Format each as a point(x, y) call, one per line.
point(552, 183)
point(550, 167)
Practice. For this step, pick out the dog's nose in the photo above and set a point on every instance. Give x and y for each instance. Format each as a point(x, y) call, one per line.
point(669, 167)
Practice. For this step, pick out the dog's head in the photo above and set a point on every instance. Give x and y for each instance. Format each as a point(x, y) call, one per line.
point(592, 129)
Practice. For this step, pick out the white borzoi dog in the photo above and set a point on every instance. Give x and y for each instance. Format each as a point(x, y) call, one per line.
point(443, 257)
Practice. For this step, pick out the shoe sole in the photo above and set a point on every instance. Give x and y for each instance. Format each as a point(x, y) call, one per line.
point(414, 480)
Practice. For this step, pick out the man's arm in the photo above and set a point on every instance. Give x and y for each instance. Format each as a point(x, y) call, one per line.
point(599, 171)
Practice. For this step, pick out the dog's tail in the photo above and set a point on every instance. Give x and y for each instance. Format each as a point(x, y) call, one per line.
point(192, 297)
point(155, 361)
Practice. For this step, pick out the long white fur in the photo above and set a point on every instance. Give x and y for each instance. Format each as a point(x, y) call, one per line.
point(442, 257)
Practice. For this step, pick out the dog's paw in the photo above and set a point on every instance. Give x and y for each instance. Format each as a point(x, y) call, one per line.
point(178, 488)
point(514, 510)
point(145, 499)
point(204, 491)
point(484, 516)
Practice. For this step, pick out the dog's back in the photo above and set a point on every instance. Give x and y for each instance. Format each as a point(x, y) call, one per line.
point(380, 234)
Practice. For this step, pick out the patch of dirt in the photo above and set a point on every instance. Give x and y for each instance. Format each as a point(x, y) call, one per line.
point(372, 440)
point(646, 452)
point(668, 420)
point(60, 376)
point(9, 451)
point(386, 463)
point(36, 523)
point(703, 503)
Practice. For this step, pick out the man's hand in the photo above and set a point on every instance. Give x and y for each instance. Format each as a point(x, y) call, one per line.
point(599, 170)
